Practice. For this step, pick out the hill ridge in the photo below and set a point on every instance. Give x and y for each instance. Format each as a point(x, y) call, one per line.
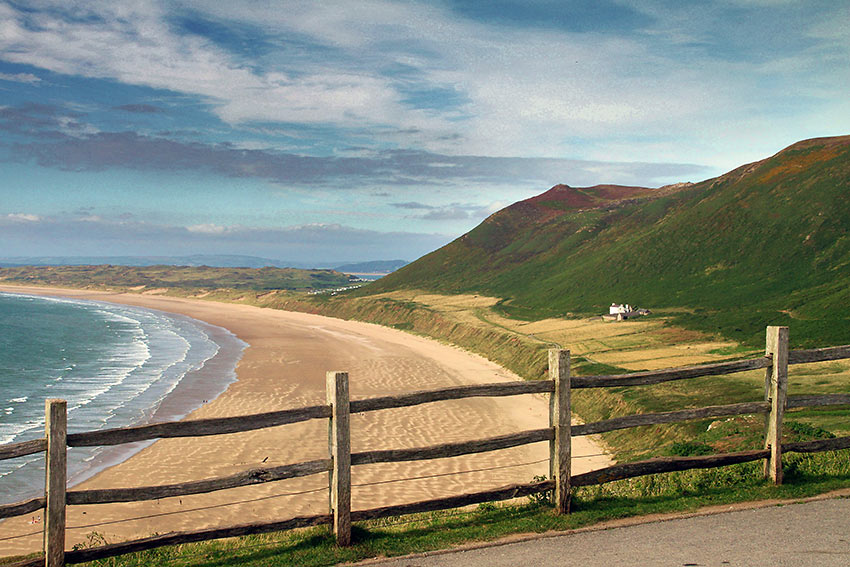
point(761, 244)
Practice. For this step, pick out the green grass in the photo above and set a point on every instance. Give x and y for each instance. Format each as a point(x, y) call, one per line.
point(805, 475)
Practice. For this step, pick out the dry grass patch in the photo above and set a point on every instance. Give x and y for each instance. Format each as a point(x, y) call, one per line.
point(661, 357)
point(641, 344)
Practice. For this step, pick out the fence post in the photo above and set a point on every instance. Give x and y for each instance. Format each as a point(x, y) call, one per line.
point(560, 447)
point(56, 431)
point(776, 388)
point(339, 443)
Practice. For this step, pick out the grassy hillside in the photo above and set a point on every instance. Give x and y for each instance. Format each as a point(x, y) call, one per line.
point(174, 277)
point(764, 244)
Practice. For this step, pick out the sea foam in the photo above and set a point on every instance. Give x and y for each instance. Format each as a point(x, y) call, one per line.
point(113, 364)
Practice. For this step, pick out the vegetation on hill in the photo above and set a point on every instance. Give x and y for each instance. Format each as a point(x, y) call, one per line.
point(767, 243)
point(174, 277)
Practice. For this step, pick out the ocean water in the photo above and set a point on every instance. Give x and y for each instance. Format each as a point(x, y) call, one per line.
point(115, 365)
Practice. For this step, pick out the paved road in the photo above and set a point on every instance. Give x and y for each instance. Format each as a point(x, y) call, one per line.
point(815, 534)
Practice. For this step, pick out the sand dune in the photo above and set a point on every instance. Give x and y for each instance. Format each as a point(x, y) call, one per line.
point(284, 367)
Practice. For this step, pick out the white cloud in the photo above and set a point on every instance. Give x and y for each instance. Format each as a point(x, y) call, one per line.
point(207, 229)
point(23, 217)
point(20, 78)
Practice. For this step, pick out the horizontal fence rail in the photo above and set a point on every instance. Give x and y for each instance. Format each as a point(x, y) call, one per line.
point(14, 450)
point(817, 400)
point(668, 374)
point(670, 464)
point(818, 354)
point(454, 393)
point(339, 407)
point(453, 449)
point(245, 478)
point(176, 538)
point(196, 427)
point(669, 417)
point(665, 464)
point(22, 508)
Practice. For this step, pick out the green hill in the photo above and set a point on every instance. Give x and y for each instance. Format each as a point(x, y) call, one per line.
point(767, 243)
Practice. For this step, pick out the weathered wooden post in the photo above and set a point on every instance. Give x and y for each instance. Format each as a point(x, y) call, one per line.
point(55, 477)
point(339, 444)
point(775, 391)
point(560, 447)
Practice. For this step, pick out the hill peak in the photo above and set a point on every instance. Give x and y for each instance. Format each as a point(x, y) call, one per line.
point(587, 197)
point(563, 198)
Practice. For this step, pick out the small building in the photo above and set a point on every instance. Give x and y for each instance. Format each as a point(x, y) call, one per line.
point(619, 308)
point(623, 311)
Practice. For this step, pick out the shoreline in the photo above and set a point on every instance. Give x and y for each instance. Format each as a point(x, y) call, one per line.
point(284, 366)
point(196, 387)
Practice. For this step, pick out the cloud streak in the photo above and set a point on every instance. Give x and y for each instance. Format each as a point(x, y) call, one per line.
point(106, 150)
point(27, 78)
point(32, 235)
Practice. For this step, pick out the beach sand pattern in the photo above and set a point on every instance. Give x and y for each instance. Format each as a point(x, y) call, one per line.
point(284, 367)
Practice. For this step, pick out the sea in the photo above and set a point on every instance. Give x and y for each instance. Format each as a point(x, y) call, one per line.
point(115, 365)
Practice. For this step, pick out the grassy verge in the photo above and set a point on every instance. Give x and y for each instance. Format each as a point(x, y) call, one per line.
point(805, 475)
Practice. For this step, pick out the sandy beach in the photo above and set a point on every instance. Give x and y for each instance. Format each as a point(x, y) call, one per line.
point(283, 367)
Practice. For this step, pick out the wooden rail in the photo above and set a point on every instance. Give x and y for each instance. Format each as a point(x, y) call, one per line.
point(669, 374)
point(670, 417)
point(817, 400)
point(196, 427)
point(341, 459)
point(818, 354)
point(13, 450)
point(453, 393)
point(22, 508)
point(453, 449)
point(245, 478)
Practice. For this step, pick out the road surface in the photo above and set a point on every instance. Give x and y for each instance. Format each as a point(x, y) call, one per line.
point(810, 534)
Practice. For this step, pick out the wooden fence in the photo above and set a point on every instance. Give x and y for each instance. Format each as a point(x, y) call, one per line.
point(340, 459)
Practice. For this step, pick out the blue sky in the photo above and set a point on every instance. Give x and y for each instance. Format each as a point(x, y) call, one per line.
point(326, 132)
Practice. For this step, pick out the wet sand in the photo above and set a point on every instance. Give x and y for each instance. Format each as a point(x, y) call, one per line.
point(284, 367)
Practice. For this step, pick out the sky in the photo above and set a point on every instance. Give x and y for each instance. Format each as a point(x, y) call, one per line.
point(331, 132)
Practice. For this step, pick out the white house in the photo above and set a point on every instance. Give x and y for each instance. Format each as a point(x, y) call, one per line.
point(620, 312)
point(617, 309)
